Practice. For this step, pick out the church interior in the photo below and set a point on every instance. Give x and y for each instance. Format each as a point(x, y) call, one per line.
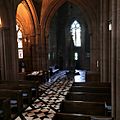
point(59, 59)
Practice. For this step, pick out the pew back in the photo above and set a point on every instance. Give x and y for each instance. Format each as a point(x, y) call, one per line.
point(92, 76)
point(90, 89)
point(16, 103)
point(5, 112)
point(85, 96)
point(80, 107)
point(94, 84)
point(67, 116)
point(26, 91)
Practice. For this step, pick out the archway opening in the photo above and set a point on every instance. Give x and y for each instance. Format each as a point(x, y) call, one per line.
point(25, 29)
point(68, 41)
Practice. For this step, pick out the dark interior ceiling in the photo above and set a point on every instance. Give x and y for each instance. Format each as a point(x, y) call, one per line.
point(38, 1)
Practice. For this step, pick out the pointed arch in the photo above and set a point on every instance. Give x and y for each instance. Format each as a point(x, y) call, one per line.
point(27, 19)
point(56, 4)
point(27, 16)
point(90, 16)
point(50, 11)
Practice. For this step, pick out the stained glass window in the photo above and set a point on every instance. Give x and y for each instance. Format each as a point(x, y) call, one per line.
point(19, 41)
point(20, 53)
point(110, 26)
point(76, 56)
point(76, 33)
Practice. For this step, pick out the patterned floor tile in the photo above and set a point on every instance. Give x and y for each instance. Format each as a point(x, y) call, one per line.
point(18, 118)
point(48, 103)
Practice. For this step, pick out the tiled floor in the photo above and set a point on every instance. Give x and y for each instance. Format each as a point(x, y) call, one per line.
point(45, 107)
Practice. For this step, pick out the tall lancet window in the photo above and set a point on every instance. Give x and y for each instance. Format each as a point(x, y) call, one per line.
point(19, 41)
point(76, 33)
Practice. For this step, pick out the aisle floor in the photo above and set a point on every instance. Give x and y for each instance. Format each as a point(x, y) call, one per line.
point(48, 103)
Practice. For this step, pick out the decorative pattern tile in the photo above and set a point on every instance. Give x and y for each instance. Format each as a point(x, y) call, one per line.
point(48, 103)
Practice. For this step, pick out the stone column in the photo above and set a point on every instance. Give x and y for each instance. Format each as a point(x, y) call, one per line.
point(34, 53)
point(9, 41)
point(118, 62)
point(44, 49)
point(40, 52)
point(2, 55)
point(8, 56)
point(38, 60)
point(104, 40)
point(113, 57)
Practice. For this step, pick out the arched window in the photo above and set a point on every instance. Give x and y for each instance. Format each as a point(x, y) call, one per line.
point(76, 33)
point(19, 41)
point(76, 56)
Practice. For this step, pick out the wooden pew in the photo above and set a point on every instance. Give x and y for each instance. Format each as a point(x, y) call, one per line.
point(67, 116)
point(5, 112)
point(83, 107)
point(101, 118)
point(36, 76)
point(34, 85)
point(90, 89)
point(92, 97)
point(93, 84)
point(71, 116)
point(16, 102)
point(92, 76)
point(26, 92)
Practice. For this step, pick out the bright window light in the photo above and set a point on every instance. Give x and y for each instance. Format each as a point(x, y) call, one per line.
point(76, 56)
point(76, 33)
point(110, 26)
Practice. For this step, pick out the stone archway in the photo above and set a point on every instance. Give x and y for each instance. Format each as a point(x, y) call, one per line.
point(90, 16)
point(27, 18)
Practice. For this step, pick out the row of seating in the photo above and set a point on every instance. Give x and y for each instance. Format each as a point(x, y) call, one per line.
point(86, 101)
point(41, 76)
point(16, 96)
point(4, 113)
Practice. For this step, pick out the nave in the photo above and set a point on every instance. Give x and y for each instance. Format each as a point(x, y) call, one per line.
point(48, 103)
point(58, 96)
